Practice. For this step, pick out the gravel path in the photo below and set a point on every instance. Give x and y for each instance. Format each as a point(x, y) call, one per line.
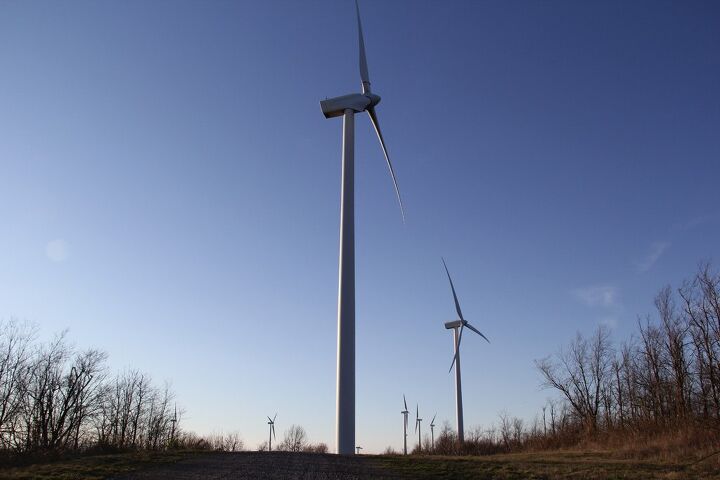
point(266, 465)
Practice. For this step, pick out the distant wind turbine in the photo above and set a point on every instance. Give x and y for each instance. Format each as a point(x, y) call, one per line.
point(174, 423)
point(347, 106)
point(455, 325)
point(405, 425)
point(417, 427)
point(271, 422)
point(432, 432)
point(357, 450)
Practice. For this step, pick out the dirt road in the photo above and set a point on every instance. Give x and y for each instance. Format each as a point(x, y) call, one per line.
point(266, 465)
point(308, 466)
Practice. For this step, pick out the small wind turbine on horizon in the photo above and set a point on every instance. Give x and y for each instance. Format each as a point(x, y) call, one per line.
point(271, 422)
point(357, 450)
point(432, 432)
point(174, 422)
point(405, 425)
point(457, 336)
point(347, 106)
point(418, 428)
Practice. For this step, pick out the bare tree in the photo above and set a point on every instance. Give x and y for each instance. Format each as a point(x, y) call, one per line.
point(505, 428)
point(294, 440)
point(227, 442)
point(580, 373)
point(15, 356)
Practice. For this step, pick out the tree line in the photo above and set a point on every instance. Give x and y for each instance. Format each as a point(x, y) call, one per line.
point(661, 385)
point(662, 381)
point(295, 439)
point(665, 377)
point(54, 397)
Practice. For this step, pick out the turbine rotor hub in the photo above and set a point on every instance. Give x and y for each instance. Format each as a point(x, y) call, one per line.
point(374, 99)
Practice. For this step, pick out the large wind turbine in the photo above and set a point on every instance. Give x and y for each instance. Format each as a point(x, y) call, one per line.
point(405, 425)
point(457, 336)
point(271, 422)
point(347, 106)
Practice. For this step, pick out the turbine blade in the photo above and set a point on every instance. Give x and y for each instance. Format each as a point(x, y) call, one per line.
point(271, 421)
point(273, 429)
point(433, 420)
point(453, 362)
point(457, 353)
point(404, 401)
point(274, 417)
point(452, 287)
point(364, 76)
point(477, 331)
point(374, 120)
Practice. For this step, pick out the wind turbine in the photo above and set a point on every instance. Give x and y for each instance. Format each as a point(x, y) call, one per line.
point(271, 422)
point(417, 427)
point(405, 425)
point(174, 422)
point(357, 450)
point(457, 336)
point(347, 106)
point(432, 432)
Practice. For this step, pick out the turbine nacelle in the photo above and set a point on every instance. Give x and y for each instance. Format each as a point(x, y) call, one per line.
point(357, 102)
point(453, 324)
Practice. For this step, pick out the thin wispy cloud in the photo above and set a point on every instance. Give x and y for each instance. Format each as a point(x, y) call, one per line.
point(610, 322)
point(57, 250)
point(698, 221)
point(598, 295)
point(656, 251)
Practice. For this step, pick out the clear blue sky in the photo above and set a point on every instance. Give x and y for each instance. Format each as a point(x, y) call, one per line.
point(170, 191)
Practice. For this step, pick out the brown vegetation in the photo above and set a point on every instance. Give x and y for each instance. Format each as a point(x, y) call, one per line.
point(658, 391)
point(656, 395)
point(55, 399)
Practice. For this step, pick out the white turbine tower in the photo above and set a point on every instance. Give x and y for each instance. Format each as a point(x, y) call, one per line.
point(432, 432)
point(405, 425)
point(271, 422)
point(417, 427)
point(457, 336)
point(347, 106)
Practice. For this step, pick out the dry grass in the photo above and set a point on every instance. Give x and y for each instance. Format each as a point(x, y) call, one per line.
point(550, 465)
point(681, 445)
point(250, 465)
point(91, 467)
